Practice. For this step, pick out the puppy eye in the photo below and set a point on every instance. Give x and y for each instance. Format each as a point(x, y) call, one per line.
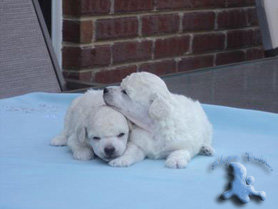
point(96, 138)
point(121, 134)
point(124, 92)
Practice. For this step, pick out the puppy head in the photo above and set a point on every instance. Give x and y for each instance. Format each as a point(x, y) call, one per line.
point(142, 98)
point(107, 131)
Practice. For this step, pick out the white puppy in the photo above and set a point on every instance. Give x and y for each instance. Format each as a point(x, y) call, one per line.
point(93, 127)
point(171, 126)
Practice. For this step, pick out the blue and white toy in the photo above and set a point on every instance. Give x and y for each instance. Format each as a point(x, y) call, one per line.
point(242, 186)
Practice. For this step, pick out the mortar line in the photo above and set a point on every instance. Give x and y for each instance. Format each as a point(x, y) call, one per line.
point(157, 60)
point(153, 12)
point(154, 37)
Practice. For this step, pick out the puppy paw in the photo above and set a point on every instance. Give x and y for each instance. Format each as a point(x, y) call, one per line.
point(176, 163)
point(120, 162)
point(83, 154)
point(59, 141)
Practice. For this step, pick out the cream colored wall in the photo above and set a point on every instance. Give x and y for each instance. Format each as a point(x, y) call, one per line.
point(57, 29)
point(271, 8)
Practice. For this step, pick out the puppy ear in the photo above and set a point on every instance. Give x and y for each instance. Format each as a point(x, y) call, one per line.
point(82, 134)
point(159, 108)
point(130, 125)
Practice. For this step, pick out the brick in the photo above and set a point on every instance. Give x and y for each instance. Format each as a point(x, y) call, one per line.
point(229, 57)
point(121, 6)
point(208, 42)
point(179, 4)
point(102, 56)
point(254, 53)
point(116, 28)
point(250, 2)
point(131, 51)
point(208, 3)
point(114, 75)
point(77, 31)
point(86, 7)
point(191, 63)
point(79, 58)
point(239, 3)
point(171, 46)
point(82, 76)
point(235, 18)
point(243, 38)
point(160, 24)
point(173, 4)
point(252, 17)
point(159, 68)
point(196, 21)
point(76, 85)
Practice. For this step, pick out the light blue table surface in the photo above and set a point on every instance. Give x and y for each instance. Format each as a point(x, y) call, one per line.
point(36, 175)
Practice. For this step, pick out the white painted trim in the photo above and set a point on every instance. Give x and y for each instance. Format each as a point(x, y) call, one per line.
point(271, 10)
point(56, 24)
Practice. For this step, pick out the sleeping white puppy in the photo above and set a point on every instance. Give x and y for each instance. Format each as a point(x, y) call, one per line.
point(171, 126)
point(91, 127)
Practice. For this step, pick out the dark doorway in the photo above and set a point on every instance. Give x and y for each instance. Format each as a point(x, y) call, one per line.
point(46, 10)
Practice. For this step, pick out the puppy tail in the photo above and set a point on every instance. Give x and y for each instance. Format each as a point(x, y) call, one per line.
point(206, 150)
point(60, 140)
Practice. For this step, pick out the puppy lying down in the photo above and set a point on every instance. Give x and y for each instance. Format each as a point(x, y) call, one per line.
point(91, 127)
point(170, 126)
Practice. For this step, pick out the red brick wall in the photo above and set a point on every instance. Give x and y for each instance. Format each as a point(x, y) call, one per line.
point(105, 40)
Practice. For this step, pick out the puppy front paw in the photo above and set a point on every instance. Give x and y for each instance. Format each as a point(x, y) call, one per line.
point(83, 154)
point(120, 162)
point(176, 163)
point(59, 141)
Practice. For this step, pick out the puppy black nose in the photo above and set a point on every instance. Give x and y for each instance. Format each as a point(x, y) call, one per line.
point(109, 151)
point(105, 90)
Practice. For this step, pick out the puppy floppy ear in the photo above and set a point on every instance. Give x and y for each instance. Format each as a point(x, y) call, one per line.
point(130, 125)
point(82, 134)
point(159, 108)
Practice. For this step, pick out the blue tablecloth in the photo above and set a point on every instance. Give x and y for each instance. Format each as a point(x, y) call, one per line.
point(36, 175)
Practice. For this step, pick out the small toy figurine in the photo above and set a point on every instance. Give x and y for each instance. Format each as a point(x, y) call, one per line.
point(242, 186)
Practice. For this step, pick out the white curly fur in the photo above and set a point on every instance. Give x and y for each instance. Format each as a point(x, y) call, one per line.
point(89, 117)
point(170, 126)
